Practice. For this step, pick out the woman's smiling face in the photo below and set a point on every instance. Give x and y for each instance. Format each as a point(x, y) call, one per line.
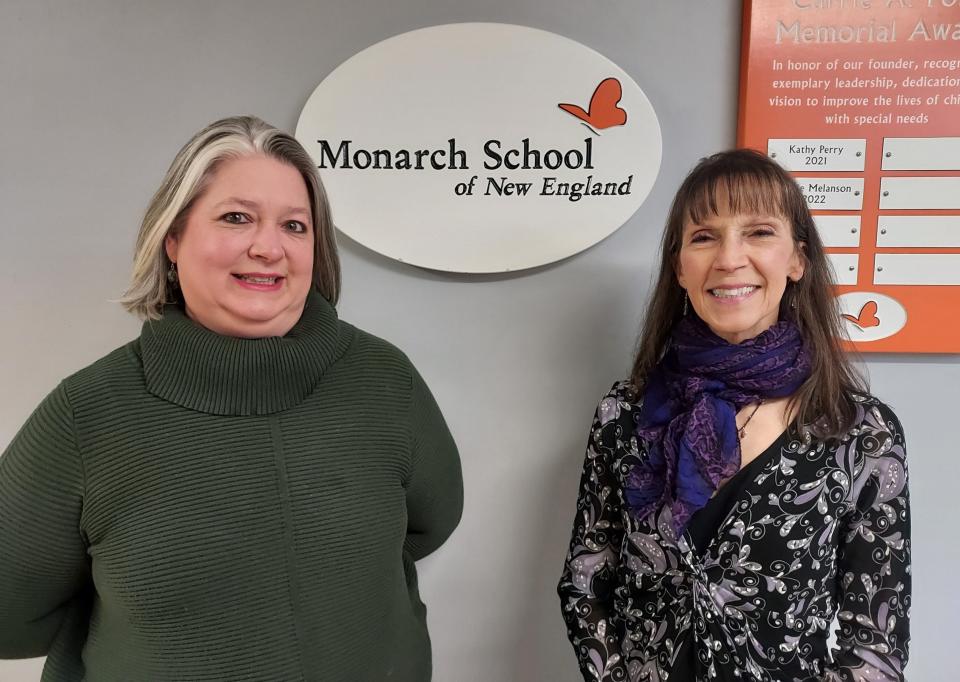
point(735, 268)
point(245, 255)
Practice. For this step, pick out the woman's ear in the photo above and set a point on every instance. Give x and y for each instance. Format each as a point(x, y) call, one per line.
point(678, 273)
point(798, 264)
point(171, 244)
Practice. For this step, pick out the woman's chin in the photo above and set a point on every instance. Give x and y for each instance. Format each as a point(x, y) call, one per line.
point(248, 322)
point(738, 331)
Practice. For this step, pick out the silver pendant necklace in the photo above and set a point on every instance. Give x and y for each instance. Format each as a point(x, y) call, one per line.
point(742, 431)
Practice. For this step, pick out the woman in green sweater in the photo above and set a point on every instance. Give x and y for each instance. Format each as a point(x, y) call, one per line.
point(242, 491)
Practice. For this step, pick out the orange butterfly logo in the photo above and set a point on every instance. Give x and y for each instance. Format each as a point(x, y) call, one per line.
point(866, 318)
point(604, 112)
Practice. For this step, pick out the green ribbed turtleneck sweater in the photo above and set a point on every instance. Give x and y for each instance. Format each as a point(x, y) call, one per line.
point(199, 507)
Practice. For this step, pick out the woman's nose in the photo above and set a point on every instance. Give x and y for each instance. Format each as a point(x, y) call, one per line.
point(266, 245)
point(731, 255)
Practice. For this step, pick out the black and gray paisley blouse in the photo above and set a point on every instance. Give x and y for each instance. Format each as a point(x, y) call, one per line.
point(816, 530)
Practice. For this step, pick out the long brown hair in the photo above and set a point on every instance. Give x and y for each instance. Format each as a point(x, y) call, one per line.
point(746, 181)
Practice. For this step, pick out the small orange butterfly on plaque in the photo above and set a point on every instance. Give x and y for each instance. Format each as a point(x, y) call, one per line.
point(603, 111)
point(866, 318)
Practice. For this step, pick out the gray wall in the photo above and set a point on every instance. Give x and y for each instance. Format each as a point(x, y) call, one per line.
point(96, 97)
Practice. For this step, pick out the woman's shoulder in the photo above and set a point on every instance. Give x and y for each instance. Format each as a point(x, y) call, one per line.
point(624, 393)
point(873, 416)
point(370, 354)
point(622, 398)
point(103, 379)
point(121, 365)
point(873, 424)
point(614, 420)
point(363, 345)
point(873, 445)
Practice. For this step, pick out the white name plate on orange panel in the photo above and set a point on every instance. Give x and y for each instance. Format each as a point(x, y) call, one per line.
point(921, 153)
point(838, 230)
point(924, 231)
point(818, 154)
point(845, 267)
point(936, 269)
point(837, 194)
point(920, 193)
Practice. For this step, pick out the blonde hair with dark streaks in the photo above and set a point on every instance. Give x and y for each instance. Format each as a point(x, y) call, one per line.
point(746, 181)
point(187, 178)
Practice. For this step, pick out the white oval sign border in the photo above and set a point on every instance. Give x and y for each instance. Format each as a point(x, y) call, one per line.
point(592, 226)
point(852, 305)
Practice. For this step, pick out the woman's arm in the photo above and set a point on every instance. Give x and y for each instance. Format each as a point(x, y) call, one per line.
point(589, 573)
point(43, 559)
point(435, 484)
point(874, 559)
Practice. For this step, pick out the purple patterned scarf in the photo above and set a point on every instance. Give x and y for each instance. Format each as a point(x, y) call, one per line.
point(689, 409)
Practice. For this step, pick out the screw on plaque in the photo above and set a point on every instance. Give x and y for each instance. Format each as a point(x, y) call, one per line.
point(857, 193)
point(879, 268)
point(853, 230)
point(886, 193)
point(852, 268)
point(888, 154)
point(773, 155)
point(859, 153)
point(883, 230)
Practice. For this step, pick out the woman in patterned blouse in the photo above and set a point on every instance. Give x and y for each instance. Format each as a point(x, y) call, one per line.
point(741, 489)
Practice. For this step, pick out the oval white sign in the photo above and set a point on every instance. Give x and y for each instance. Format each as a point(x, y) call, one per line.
point(869, 316)
point(481, 147)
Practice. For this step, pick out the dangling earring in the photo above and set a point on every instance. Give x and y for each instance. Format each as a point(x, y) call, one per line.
point(172, 276)
point(686, 303)
point(794, 294)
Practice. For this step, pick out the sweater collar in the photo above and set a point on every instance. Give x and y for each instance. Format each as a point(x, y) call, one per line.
point(189, 365)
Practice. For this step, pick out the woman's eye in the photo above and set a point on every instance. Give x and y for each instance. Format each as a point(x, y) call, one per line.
point(763, 232)
point(296, 226)
point(699, 237)
point(235, 218)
